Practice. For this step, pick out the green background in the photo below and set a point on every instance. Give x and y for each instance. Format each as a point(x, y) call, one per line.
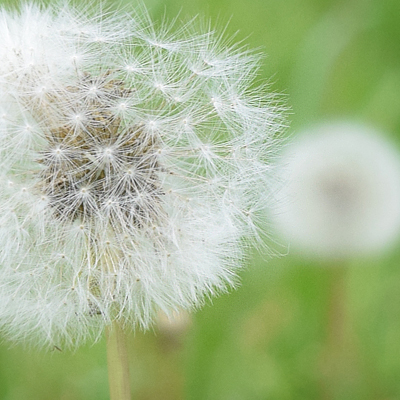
point(295, 328)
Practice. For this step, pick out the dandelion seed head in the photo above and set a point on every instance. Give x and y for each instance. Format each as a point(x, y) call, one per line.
point(343, 192)
point(129, 183)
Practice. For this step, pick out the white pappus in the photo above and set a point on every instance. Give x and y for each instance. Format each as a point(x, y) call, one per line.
point(135, 168)
point(342, 197)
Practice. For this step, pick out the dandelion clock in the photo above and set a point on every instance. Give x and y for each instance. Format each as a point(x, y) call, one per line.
point(341, 201)
point(343, 193)
point(134, 169)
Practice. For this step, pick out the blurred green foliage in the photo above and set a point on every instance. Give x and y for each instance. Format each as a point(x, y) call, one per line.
point(295, 329)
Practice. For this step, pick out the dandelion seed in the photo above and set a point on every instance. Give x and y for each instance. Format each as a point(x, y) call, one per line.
point(129, 183)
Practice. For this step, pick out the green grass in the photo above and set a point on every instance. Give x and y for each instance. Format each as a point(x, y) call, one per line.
point(277, 336)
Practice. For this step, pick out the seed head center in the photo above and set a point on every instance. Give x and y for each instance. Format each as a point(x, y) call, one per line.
point(85, 166)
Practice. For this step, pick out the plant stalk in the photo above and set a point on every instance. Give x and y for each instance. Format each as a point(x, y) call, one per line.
point(118, 364)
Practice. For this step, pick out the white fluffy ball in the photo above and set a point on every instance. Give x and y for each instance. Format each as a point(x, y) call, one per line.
point(343, 192)
point(135, 168)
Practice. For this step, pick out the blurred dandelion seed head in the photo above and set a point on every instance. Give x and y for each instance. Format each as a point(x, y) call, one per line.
point(135, 169)
point(343, 195)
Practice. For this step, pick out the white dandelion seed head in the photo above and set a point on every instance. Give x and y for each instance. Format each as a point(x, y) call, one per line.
point(343, 192)
point(131, 181)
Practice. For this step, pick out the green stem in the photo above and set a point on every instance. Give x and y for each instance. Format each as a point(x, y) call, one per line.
point(117, 360)
point(336, 353)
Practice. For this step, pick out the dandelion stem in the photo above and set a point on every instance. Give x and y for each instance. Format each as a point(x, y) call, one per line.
point(117, 360)
point(338, 350)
